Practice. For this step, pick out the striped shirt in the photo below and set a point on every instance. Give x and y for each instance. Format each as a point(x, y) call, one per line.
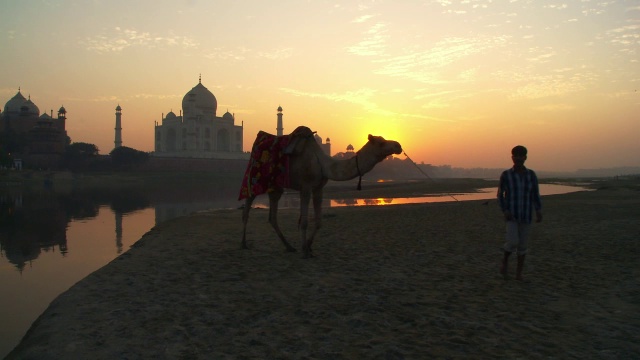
point(518, 193)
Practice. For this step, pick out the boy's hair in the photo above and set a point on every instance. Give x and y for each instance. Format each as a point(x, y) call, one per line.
point(519, 151)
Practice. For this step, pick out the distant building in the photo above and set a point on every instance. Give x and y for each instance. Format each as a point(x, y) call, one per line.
point(326, 147)
point(198, 132)
point(38, 140)
point(345, 155)
point(279, 125)
point(117, 142)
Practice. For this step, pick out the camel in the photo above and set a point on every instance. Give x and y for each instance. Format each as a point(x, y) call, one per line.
point(309, 171)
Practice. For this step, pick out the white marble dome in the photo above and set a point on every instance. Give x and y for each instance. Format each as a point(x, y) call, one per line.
point(199, 100)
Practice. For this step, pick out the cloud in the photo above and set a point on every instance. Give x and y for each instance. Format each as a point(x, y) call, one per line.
point(118, 39)
point(425, 65)
point(554, 107)
point(374, 42)
point(363, 18)
point(551, 85)
point(555, 6)
point(542, 58)
point(101, 98)
point(278, 54)
point(625, 35)
point(442, 99)
point(361, 97)
point(243, 53)
point(114, 98)
point(226, 54)
point(156, 96)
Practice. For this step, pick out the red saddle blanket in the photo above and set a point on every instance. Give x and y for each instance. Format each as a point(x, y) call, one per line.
point(268, 166)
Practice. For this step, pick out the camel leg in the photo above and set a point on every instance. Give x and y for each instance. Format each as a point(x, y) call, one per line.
point(245, 219)
point(274, 198)
point(317, 211)
point(305, 197)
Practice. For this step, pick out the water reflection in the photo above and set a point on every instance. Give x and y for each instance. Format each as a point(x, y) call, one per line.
point(24, 234)
point(291, 199)
point(36, 222)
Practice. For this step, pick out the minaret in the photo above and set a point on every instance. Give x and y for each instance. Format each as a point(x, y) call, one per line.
point(279, 128)
point(118, 140)
point(62, 117)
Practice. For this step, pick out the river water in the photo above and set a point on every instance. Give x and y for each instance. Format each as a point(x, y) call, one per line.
point(49, 242)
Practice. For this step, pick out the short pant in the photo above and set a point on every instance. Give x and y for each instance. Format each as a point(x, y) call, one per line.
point(517, 236)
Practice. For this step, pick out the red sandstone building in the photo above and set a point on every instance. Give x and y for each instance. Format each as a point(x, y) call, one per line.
point(38, 140)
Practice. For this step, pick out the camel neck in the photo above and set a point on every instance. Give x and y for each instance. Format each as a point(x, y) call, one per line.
point(342, 170)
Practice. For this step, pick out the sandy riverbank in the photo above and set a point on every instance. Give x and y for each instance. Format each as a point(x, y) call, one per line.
point(392, 282)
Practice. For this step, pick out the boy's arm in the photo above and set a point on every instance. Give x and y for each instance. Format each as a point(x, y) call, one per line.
point(536, 199)
point(502, 199)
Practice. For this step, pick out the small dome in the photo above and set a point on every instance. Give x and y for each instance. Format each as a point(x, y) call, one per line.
point(318, 138)
point(33, 109)
point(15, 103)
point(328, 140)
point(62, 110)
point(45, 116)
point(350, 147)
point(227, 116)
point(170, 115)
point(118, 108)
point(279, 108)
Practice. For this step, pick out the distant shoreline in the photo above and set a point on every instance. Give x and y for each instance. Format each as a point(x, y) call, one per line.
point(65, 181)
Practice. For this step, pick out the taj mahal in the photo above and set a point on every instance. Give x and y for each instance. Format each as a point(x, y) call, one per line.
point(198, 131)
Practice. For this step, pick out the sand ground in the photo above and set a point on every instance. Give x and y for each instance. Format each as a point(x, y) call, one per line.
point(388, 282)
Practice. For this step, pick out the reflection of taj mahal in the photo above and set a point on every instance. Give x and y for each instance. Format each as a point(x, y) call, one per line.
point(198, 132)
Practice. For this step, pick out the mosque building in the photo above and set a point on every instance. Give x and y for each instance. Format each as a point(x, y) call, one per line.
point(38, 140)
point(198, 132)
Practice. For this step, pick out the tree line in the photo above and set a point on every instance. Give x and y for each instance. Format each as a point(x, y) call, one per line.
point(77, 156)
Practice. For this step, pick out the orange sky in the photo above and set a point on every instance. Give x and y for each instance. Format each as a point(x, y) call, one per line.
point(455, 82)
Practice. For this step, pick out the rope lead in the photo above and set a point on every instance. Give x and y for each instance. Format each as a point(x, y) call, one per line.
point(425, 174)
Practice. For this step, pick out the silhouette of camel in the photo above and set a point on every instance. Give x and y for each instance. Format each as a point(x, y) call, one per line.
point(309, 170)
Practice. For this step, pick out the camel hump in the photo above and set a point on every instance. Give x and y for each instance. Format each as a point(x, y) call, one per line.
point(302, 131)
point(296, 141)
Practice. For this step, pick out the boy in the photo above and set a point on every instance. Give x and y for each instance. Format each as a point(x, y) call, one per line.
point(518, 193)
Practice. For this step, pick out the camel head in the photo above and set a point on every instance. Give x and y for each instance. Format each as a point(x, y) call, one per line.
point(381, 147)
